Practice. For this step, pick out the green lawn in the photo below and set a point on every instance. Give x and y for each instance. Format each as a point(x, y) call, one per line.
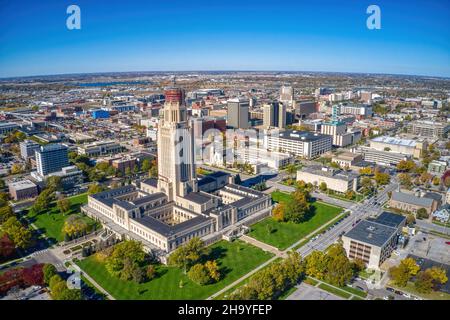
point(284, 234)
point(234, 258)
point(355, 291)
point(335, 291)
point(311, 281)
point(51, 222)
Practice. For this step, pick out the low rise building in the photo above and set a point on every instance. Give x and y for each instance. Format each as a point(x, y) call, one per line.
point(437, 168)
point(428, 128)
point(373, 240)
point(411, 203)
point(23, 189)
point(347, 160)
point(336, 180)
point(99, 148)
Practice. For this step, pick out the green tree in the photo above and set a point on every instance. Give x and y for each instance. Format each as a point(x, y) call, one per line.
point(75, 225)
point(199, 274)
point(323, 187)
point(422, 213)
point(145, 165)
point(187, 254)
point(125, 254)
point(6, 212)
point(291, 169)
point(95, 188)
point(42, 202)
point(49, 271)
point(406, 165)
point(63, 205)
point(54, 183)
point(297, 208)
point(339, 269)
point(213, 270)
point(20, 235)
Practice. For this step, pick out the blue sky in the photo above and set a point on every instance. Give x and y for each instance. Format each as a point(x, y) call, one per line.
point(327, 35)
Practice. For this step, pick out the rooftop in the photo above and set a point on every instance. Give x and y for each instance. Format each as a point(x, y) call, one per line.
point(23, 184)
point(395, 141)
point(371, 232)
point(301, 135)
point(411, 199)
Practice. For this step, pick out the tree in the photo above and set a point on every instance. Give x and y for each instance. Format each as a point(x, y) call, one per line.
point(127, 254)
point(436, 181)
point(145, 165)
point(151, 272)
point(339, 269)
point(63, 205)
point(350, 194)
point(424, 282)
point(102, 166)
point(405, 180)
point(199, 274)
point(60, 291)
point(16, 168)
point(297, 208)
point(49, 271)
point(382, 178)
point(95, 188)
point(127, 171)
point(438, 276)
point(278, 212)
point(406, 165)
point(33, 276)
point(323, 187)
point(315, 265)
point(402, 273)
point(6, 212)
point(187, 254)
point(291, 170)
point(6, 247)
point(74, 225)
point(54, 183)
point(213, 270)
point(422, 213)
point(42, 202)
point(366, 171)
point(20, 235)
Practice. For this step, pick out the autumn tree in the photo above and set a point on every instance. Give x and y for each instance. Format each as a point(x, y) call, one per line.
point(20, 235)
point(323, 187)
point(63, 205)
point(382, 178)
point(199, 274)
point(402, 273)
point(95, 188)
point(406, 165)
point(278, 212)
point(188, 254)
point(74, 225)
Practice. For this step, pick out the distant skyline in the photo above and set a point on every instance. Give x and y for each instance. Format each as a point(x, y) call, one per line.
point(263, 35)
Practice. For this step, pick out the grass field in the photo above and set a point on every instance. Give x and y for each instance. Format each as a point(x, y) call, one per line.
point(284, 234)
point(335, 291)
point(235, 259)
point(51, 222)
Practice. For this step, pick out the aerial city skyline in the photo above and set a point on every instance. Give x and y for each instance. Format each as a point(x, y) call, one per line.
point(249, 153)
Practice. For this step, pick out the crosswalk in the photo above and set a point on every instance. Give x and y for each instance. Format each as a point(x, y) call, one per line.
point(39, 253)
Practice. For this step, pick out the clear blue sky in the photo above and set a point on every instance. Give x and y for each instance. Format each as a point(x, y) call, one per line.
point(327, 35)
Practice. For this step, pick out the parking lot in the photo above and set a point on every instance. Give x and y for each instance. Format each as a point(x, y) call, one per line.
point(307, 292)
point(432, 248)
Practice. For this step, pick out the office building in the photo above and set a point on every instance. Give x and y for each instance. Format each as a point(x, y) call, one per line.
point(7, 127)
point(347, 160)
point(336, 180)
point(304, 108)
point(23, 189)
point(299, 143)
point(237, 113)
point(100, 114)
point(430, 129)
point(51, 158)
point(437, 168)
point(287, 94)
point(409, 147)
point(359, 110)
point(28, 148)
point(274, 115)
point(100, 148)
point(373, 240)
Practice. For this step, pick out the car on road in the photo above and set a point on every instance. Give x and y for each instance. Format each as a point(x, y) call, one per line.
point(447, 242)
point(400, 293)
point(390, 289)
point(407, 295)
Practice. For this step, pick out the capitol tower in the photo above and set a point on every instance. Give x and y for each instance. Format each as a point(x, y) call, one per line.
point(176, 168)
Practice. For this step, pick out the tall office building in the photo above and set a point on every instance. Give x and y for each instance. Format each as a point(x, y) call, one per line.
point(237, 114)
point(274, 115)
point(176, 174)
point(51, 158)
point(287, 94)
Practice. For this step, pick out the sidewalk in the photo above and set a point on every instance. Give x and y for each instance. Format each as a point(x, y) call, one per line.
point(92, 281)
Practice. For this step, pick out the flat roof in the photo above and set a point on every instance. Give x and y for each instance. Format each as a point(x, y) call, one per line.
point(301, 135)
point(371, 232)
point(390, 219)
point(395, 141)
point(23, 184)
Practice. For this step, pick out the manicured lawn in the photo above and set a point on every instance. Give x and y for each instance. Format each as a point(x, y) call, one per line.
point(310, 281)
point(51, 222)
point(279, 196)
point(284, 234)
point(334, 291)
point(235, 259)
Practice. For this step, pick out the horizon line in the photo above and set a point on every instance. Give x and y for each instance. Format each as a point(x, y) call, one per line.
point(225, 70)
